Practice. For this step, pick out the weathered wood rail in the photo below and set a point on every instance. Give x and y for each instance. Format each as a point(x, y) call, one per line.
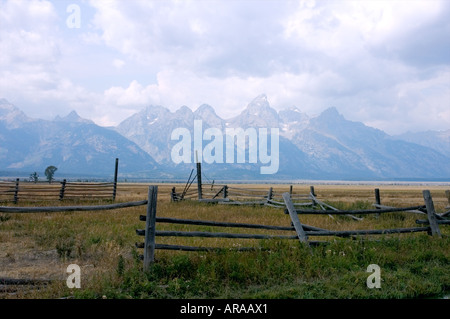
point(299, 231)
point(57, 209)
point(150, 232)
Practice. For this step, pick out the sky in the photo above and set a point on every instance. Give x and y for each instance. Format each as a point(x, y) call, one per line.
point(384, 63)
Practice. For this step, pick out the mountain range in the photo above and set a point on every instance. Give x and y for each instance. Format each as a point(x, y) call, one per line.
point(326, 146)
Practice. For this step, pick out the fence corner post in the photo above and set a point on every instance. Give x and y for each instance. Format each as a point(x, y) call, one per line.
point(431, 214)
point(150, 231)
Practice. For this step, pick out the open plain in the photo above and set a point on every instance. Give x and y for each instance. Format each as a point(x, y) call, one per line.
point(39, 247)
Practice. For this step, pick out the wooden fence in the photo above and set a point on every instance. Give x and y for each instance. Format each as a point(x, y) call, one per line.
point(150, 231)
point(232, 195)
point(21, 191)
point(30, 191)
point(301, 231)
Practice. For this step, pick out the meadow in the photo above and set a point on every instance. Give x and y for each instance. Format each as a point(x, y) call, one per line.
point(42, 245)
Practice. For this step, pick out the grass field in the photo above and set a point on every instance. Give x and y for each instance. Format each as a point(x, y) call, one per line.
point(42, 245)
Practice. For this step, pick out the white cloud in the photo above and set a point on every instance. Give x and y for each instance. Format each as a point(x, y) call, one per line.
point(382, 62)
point(118, 63)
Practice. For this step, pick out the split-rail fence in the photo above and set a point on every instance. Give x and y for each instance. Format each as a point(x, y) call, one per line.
point(301, 232)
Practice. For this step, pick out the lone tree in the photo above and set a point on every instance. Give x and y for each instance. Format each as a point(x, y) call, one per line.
point(34, 177)
point(49, 172)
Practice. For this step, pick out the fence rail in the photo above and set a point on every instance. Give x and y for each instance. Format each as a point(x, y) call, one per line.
point(299, 231)
point(56, 209)
point(151, 233)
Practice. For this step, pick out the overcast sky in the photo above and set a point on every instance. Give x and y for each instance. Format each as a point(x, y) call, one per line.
point(385, 63)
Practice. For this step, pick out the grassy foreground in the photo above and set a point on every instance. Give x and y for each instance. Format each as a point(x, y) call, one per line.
point(41, 246)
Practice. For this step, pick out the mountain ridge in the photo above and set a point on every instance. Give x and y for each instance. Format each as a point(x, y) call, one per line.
point(326, 146)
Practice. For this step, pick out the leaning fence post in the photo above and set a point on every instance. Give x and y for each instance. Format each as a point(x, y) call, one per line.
point(150, 231)
point(16, 192)
point(63, 188)
point(294, 217)
point(431, 213)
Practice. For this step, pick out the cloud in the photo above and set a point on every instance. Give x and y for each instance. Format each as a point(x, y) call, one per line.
point(118, 63)
point(382, 62)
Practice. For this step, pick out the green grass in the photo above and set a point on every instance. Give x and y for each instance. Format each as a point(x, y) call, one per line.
point(288, 270)
point(102, 244)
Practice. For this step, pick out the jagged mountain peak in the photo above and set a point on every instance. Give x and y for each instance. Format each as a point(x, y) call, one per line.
point(12, 115)
point(184, 110)
point(258, 113)
point(205, 108)
point(258, 105)
point(73, 117)
point(331, 113)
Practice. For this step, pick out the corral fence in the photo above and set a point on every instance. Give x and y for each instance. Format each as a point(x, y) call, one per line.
point(29, 191)
point(299, 231)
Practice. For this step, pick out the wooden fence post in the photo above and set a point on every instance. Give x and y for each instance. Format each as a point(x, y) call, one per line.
point(377, 199)
point(116, 170)
point(311, 189)
point(270, 194)
point(294, 217)
point(199, 180)
point(150, 231)
point(431, 214)
point(16, 192)
point(290, 190)
point(312, 195)
point(225, 191)
point(63, 188)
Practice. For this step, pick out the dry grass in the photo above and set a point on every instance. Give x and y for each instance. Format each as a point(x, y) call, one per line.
point(41, 246)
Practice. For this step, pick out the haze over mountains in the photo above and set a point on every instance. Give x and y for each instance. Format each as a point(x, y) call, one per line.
point(323, 147)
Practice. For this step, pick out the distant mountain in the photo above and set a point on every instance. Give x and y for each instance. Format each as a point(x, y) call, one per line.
point(345, 148)
point(437, 140)
point(72, 144)
point(323, 147)
point(258, 113)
